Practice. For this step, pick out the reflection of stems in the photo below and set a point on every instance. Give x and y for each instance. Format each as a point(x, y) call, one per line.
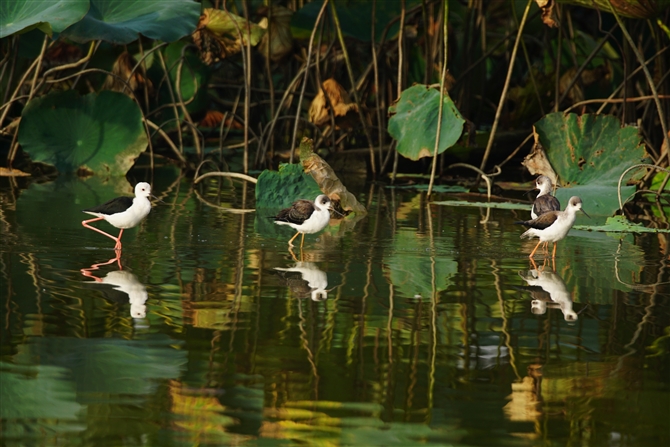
point(433, 311)
point(508, 338)
point(305, 346)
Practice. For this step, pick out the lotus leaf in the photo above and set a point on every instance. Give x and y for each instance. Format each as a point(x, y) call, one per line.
point(47, 15)
point(102, 133)
point(120, 21)
point(414, 122)
point(593, 151)
point(279, 189)
point(619, 224)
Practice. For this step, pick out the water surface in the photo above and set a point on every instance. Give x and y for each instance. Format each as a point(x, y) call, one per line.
point(417, 324)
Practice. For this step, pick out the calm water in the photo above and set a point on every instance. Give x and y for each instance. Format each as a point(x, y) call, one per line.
point(416, 325)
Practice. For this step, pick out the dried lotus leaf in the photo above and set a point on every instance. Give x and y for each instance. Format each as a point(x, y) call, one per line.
point(345, 111)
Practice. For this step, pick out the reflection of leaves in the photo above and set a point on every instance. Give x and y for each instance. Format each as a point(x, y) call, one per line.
point(410, 265)
point(110, 365)
point(414, 122)
point(36, 392)
point(499, 205)
point(102, 133)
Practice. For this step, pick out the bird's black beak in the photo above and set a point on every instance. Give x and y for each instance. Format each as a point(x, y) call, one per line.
point(337, 212)
point(584, 213)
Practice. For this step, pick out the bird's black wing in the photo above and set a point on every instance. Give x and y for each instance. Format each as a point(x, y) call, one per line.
point(298, 213)
point(117, 205)
point(546, 203)
point(540, 222)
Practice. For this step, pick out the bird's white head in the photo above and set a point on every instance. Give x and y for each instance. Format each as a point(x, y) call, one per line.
point(575, 204)
point(142, 189)
point(543, 183)
point(323, 202)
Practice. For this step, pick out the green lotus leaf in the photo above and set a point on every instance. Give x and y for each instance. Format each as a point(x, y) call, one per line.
point(279, 189)
point(47, 15)
point(102, 133)
point(619, 224)
point(414, 122)
point(120, 21)
point(590, 149)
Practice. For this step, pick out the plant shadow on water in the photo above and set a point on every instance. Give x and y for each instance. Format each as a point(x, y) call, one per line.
point(418, 324)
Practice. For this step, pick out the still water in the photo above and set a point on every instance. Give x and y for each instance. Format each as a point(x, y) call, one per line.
point(415, 325)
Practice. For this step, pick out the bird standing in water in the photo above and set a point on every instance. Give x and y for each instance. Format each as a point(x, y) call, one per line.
point(305, 216)
point(552, 226)
point(122, 212)
point(544, 202)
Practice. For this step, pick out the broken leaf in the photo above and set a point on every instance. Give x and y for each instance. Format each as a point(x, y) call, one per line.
point(346, 112)
point(221, 34)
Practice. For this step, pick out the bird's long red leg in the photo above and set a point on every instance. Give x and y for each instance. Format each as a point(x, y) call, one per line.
point(534, 250)
point(554, 255)
point(86, 224)
point(290, 243)
point(118, 241)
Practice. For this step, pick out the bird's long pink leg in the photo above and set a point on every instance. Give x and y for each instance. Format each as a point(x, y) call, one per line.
point(534, 250)
point(85, 223)
point(554, 255)
point(290, 243)
point(302, 242)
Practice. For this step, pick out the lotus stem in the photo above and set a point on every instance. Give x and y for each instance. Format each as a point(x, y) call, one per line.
point(441, 106)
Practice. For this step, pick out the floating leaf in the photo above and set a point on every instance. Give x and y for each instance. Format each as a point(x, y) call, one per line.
point(414, 122)
point(619, 224)
point(47, 15)
point(101, 133)
point(121, 21)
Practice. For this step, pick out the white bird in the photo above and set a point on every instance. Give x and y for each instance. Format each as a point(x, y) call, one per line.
point(122, 212)
point(305, 216)
point(544, 202)
point(553, 225)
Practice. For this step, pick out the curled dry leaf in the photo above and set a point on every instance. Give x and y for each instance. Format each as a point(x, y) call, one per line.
point(221, 34)
point(548, 16)
point(327, 180)
point(278, 34)
point(213, 118)
point(9, 172)
point(123, 71)
point(346, 112)
point(537, 162)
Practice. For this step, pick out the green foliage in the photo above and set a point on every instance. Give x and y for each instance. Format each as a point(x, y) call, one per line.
point(592, 151)
point(194, 77)
point(355, 18)
point(619, 224)
point(48, 15)
point(120, 21)
point(101, 132)
point(414, 122)
point(279, 189)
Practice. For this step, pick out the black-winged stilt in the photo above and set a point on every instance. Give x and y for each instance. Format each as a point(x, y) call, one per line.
point(553, 225)
point(122, 212)
point(305, 216)
point(544, 202)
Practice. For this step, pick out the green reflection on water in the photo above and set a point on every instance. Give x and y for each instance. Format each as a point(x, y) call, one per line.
point(423, 329)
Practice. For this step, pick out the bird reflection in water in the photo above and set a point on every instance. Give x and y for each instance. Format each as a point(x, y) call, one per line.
point(124, 282)
point(548, 291)
point(305, 279)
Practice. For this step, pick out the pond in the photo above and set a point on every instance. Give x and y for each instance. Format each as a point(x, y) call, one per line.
point(416, 324)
